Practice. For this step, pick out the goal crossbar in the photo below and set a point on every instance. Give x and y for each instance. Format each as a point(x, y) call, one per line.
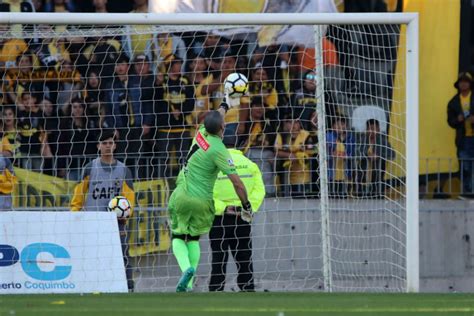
point(208, 18)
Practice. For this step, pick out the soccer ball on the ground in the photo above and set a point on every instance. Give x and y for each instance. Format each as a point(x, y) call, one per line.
point(236, 85)
point(120, 205)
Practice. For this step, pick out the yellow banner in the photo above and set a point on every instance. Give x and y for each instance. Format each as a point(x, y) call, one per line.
point(39, 190)
point(148, 227)
point(149, 231)
point(438, 64)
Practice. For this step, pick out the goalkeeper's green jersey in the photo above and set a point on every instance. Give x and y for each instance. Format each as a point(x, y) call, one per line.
point(205, 159)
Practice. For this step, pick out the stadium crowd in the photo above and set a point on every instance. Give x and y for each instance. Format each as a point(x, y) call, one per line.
point(155, 89)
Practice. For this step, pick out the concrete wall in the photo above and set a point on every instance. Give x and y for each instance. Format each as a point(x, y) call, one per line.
point(367, 248)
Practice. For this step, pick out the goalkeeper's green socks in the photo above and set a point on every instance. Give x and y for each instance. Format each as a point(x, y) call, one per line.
point(181, 253)
point(194, 254)
point(188, 255)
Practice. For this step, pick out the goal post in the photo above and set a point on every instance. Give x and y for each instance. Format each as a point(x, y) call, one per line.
point(350, 235)
point(412, 130)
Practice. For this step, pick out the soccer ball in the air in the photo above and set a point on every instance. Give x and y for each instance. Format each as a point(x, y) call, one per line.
point(236, 85)
point(120, 205)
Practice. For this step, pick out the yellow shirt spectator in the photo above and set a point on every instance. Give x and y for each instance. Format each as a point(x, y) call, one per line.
point(10, 50)
point(215, 99)
point(8, 179)
point(299, 166)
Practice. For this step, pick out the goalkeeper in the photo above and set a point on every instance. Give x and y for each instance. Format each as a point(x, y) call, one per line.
point(191, 206)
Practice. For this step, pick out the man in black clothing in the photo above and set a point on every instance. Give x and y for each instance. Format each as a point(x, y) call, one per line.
point(173, 130)
point(461, 118)
point(125, 109)
point(33, 139)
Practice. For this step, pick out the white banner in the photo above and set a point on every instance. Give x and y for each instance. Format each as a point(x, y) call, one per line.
point(60, 252)
point(267, 35)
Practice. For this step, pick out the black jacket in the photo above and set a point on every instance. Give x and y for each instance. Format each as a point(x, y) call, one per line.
point(455, 109)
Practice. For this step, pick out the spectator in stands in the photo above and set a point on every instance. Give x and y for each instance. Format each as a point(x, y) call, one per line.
point(211, 47)
point(304, 100)
point(124, 110)
point(140, 6)
point(113, 6)
point(10, 131)
point(173, 137)
point(60, 6)
point(16, 6)
point(51, 129)
point(166, 47)
point(197, 73)
point(69, 83)
point(120, 6)
point(30, 122)
point(100, 6)
point(213, 88)
point(374, 152)
point(38, 5)
point(77, 142)
point(260, 85)
point(258, 147)
point(141, 95)
point(10, 48)
point(290, 148)
point(102, 53)
point(8, 179)
point(160, 107)
point(94, 96)
point(52, 51)
point(21, 80)
point(461, 118)
point(197, 70)
point(275, 60)
point(76, 46)
point(310, 124)
point(340, 150)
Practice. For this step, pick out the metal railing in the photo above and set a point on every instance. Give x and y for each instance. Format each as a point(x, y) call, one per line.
point(440, 178)
point(446, 178)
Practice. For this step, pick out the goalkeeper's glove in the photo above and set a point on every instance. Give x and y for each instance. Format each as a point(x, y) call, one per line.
point(224, 106)
point(231, 101)
point(246, 214)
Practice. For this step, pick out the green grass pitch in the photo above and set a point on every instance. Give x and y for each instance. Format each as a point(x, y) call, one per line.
point(229, 304)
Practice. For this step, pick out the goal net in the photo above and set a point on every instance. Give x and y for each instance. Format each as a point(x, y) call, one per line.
point(325, 120)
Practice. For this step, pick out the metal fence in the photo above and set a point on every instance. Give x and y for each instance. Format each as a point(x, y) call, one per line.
point(446, 178)
point(440, 178)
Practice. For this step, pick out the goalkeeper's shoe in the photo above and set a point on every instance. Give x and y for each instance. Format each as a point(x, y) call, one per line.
point(184, 280)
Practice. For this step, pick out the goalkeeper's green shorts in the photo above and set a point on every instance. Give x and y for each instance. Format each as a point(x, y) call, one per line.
point(190, 215)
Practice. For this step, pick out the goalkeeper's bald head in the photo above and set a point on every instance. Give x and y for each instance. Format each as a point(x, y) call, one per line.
point(214, 123)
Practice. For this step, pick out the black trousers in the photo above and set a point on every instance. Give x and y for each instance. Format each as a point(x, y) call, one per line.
point(126, 257)
point(230, 232)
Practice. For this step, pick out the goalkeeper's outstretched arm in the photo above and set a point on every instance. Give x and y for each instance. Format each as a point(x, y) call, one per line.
point(239, 188)
point(228, 103)
point(223, 109)
point(242, 194)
